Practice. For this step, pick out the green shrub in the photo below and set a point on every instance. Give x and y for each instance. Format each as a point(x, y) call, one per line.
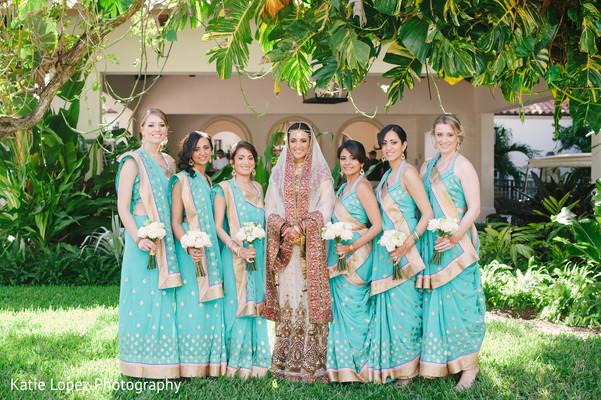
point(573, 297)
point(505, 243)
point(569, 294)
point(63, 264)
point(505, 286)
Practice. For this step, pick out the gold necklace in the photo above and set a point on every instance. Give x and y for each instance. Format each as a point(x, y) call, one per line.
point(298, 169)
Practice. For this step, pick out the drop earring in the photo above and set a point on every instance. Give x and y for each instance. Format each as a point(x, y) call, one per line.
point(362, 172)
point(234, 173)
point(190, 163)
point(254, 172)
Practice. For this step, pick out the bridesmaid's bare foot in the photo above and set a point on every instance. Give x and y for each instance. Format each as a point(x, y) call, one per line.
point(402, 383)
point(467, 379)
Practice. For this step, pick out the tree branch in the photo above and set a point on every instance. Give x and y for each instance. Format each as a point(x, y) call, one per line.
point(66, 66)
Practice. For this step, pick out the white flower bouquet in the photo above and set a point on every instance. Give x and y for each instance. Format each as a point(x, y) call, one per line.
point(249, 232)
point(154, 231)
point(197, 239)
point(444, 227)
point(391, 239)
point(338, 231)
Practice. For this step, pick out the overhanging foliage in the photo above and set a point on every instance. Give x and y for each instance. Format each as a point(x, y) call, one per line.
point(506, 44)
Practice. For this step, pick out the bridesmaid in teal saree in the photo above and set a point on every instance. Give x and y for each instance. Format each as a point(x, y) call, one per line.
point(454, 305)
point(357, 206)
point(199, 316)
point(395, 337)
point(237, 201)
point(147, 333)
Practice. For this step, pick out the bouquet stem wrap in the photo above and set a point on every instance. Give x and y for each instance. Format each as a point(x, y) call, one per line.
point(397, 271)
point(200, 268)
point(152, 260)
point(250, 264)
point(341, 264)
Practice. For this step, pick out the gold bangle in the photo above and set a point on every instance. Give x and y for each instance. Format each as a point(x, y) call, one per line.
point(352, 247)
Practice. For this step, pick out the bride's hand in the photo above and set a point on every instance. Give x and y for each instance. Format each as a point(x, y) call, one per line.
point(290, 233)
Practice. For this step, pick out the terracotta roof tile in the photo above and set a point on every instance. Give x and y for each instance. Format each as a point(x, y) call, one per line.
point(542, 108)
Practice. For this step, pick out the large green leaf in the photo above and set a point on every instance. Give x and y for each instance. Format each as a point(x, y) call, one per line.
point(232, 32)
point(408, 69)
point(297, 72)
point(493, 39)
point(597, 202)
point(585, 104)
point(350, 51)
point(389, 7)
point(326, 72)
point(591, 29)
point(584, 113)
point(460, 59)
point(413, 34)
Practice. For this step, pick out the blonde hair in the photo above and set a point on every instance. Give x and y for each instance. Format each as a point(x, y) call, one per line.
point(154, 111)
point(452, 121)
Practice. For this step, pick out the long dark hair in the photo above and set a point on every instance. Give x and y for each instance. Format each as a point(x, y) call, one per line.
point(186, 148)
point(396, 129)
point(356, 149)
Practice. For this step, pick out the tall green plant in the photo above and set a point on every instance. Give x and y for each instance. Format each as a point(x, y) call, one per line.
point(587, 235)
point(597, 201)
point(108, 241)
point(505, 243)
point(568, 138)
point(503, 147)
point(43, 177)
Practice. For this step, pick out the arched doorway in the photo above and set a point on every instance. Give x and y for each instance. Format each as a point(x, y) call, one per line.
point(225, 132)
point(364, 131)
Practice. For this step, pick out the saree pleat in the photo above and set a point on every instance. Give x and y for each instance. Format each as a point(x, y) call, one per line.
point(147, 335)
point(351, 301)
point(247, 338)
point(454, 305)
point(394, 339)
point(200, 309)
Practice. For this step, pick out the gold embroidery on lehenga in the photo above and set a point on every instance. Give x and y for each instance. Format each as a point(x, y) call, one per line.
point(295, 353)
point(283, 334)
point(301, 348)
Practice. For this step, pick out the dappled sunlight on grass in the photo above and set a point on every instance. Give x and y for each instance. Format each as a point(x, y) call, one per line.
point(56, 344)
point(73, 338)
point(520, 362)
point(57, 297)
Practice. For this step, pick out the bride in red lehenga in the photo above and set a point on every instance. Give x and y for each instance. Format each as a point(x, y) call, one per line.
point(299, 200)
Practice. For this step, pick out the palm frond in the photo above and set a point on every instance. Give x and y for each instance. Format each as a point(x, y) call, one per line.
point(232, 32)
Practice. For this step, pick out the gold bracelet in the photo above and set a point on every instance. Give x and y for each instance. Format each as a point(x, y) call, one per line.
point(352, 247)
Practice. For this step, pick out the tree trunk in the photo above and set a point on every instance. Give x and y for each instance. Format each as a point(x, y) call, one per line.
point(66, 66)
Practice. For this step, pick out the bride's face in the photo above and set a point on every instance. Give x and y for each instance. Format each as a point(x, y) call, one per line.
point(298, 143)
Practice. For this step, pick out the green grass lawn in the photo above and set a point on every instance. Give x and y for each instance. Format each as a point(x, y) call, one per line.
point(67, 336)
